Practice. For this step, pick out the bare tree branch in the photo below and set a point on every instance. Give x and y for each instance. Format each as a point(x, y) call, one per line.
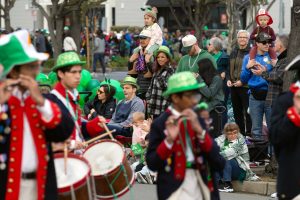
point(42, 10)
point(171, 6)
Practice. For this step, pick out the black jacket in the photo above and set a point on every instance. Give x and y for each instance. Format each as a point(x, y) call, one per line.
point(105, 109)
point(166, 182)
point(285, 137)
point(236, 62)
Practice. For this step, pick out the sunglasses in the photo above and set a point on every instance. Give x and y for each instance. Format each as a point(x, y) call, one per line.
point(100, 92)
point(266, 42)
point(143, 37)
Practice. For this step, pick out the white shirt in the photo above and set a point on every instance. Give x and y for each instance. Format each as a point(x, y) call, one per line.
point(69, 44)
point(29, 154)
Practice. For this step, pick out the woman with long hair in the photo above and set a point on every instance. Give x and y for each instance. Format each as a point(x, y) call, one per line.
point(213, 95)
point(156, 103)
point(104, 103)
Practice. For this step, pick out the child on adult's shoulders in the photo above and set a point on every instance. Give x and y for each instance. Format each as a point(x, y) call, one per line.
point(264, 20)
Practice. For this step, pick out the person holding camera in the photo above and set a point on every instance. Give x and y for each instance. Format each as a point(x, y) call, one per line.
point(251, 75)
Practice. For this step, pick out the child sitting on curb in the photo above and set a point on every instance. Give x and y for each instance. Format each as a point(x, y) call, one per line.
point(234, 149)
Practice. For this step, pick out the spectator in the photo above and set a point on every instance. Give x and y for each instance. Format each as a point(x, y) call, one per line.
point(222, 59)
point(194, 54)
point(275, 77)
point(68, 43)
point(122, 117)
point(251, 75)
point(284, 135)
point(239, 91)
point(99, 50)
point(234, 149)
point(156, 103)
point(139, 65)
point(212, 93)
point(104, 103)
point(124, 47)
point(40, 43)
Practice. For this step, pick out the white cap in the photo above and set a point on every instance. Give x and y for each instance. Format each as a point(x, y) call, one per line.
point(145, 34)
point(189, 40)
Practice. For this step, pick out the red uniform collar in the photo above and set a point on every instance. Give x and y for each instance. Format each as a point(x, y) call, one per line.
point(62, 90)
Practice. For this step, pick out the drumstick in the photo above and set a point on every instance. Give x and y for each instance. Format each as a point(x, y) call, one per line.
point(99, 137)
point(65, 157)
point(107, 130)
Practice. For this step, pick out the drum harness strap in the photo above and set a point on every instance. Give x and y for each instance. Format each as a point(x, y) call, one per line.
point(110, 184)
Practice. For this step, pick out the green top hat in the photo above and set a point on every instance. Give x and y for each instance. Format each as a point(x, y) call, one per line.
point(164, 49)
point(16, 49)
point(180, 82)
point(128, 80)
point(66, 59)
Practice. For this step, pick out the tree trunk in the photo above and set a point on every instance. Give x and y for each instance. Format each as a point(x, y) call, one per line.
point(230, 11)
point(75, 30)
point(294, 43)
point(7, 20)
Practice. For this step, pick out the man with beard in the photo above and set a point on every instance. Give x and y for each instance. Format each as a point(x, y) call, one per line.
point(122, 118)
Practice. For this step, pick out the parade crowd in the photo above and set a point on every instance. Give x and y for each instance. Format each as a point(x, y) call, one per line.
point(172, 120)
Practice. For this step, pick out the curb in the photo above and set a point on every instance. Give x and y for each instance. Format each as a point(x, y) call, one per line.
point(255, 187)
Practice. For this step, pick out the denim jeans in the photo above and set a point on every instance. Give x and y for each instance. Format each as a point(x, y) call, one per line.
point(231, 171)
point(100, 57)
point(120, 130)
point(257, 111)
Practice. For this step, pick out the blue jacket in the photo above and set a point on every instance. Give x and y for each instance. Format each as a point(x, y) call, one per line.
point(253, 81)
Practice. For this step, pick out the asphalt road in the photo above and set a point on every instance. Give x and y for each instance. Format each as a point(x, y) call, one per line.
point(148, 192)
point(118, 75)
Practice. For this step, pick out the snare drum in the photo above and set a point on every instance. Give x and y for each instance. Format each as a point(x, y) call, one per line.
point(111, 171)
point(76, 184)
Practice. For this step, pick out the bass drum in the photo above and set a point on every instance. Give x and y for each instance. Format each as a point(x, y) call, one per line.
point(111, 171)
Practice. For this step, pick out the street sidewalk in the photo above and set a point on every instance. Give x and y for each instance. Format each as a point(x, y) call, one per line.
point(265, 187)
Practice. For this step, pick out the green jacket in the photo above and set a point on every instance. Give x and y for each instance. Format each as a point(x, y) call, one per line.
point(213, 94)
point(189, 63)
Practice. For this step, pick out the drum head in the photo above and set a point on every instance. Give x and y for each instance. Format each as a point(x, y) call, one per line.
point(104, 157)
point(77, 170)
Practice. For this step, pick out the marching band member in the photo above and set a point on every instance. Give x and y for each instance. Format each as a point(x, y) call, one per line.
point(28, 123)
point(180, 150)
point(68, 69)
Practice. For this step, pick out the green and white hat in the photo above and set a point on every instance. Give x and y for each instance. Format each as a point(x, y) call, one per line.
point(16, 49)
point(182, 81)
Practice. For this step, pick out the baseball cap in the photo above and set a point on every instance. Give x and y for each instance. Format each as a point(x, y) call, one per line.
point(187, 42)
point(263, 37)
point(145, 34)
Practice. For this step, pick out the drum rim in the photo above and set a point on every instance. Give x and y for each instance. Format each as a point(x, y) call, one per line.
point(81, 181)
point(107, 140)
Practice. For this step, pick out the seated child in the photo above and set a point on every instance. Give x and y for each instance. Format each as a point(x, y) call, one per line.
point(142, 172)
point(141, 128)
point(234, 149)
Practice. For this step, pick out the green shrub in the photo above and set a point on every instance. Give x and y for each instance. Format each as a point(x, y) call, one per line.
point(118, 62)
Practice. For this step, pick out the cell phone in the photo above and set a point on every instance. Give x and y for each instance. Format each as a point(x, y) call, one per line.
point(253, 67)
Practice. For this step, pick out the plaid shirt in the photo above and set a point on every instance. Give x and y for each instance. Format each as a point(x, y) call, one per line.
point(156, 103)
point(275, 78)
